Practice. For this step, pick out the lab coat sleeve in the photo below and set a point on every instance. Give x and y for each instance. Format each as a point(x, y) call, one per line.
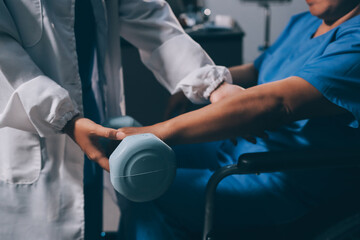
point(29, 100)
point(177, 61)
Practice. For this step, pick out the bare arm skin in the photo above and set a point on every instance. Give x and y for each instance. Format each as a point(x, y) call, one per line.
point(244, 76)
point(250, 112)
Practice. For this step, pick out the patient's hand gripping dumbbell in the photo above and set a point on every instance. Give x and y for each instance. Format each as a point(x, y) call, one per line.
point(142, 167)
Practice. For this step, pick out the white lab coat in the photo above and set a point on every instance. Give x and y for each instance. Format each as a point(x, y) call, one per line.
point(41, 169)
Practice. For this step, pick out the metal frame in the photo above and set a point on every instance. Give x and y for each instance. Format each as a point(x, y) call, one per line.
point(261, 162)
point(210, 197)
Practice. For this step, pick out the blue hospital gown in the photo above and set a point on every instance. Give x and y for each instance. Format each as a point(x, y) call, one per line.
point(331, 63)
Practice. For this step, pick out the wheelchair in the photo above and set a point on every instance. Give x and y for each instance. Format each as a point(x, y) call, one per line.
point(342, 223)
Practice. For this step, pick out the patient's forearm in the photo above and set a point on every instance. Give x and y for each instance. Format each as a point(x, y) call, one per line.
point(245, 114)
point(254, 110)
point(248, 113)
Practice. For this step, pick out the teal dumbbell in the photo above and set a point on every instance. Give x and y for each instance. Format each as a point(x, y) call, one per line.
point(116, 122)
point(122, 121)
point(142, 167)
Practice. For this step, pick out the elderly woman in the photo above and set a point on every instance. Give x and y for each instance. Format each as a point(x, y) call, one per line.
point(302, 92)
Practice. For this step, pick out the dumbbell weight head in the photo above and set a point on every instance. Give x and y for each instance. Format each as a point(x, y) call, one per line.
point(142, 167)
point(120, 122)
point(116, 122)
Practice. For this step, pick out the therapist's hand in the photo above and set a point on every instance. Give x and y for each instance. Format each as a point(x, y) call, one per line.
point(161, 130)
point(87, 134)
point(225, 90)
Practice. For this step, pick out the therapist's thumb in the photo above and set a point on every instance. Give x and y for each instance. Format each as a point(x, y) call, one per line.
point(105, 132)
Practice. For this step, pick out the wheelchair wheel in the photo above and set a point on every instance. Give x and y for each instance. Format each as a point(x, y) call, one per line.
point(348, 229)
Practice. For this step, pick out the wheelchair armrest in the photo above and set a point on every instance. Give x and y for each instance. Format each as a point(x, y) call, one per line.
point(298, 159)
point(262, 162)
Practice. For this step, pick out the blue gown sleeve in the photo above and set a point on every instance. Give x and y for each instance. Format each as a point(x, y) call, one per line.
point(336, 72)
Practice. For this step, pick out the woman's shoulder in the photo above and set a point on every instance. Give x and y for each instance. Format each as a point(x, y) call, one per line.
point(350, 26)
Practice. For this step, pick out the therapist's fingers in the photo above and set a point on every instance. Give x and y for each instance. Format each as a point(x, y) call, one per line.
point(103, 162)
point(105, 132)
point(128, 131)
point(94, 152)
point(80, 127)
